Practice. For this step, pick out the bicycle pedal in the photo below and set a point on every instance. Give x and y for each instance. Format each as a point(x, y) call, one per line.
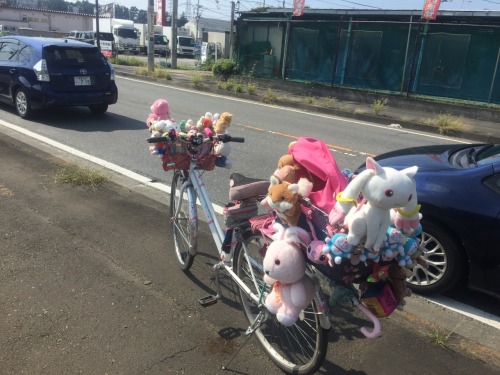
point(208, 300)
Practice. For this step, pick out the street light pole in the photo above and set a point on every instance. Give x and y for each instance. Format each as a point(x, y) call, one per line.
point(97, 24)
point(174, 34)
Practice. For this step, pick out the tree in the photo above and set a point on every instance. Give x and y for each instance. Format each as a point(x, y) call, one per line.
point(182, 20)
point(85, 7)
point(133, 14)
point(56, 5)
point(142, 16)
point(122, 12)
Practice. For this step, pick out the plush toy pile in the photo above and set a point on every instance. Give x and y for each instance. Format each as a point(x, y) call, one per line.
point(161, 124)
point(372, 241)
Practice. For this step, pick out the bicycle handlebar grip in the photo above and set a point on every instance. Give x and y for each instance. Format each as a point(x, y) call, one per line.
point(238, 139)
point(157, 139)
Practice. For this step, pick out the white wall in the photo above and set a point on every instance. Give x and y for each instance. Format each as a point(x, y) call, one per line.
point(46, 20)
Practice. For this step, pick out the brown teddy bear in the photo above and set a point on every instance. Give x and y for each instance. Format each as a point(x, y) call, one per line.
point(223, 123)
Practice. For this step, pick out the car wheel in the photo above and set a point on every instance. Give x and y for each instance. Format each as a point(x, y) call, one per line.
point(98, 109)
point(22, 103)
point(445, 262)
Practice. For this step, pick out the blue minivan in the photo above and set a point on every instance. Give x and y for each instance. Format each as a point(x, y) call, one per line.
point(38, 73)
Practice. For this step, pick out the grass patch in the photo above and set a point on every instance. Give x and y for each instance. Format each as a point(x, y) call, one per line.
point(447, 124)
point(196, 79)
point(437, 337)
point(221, 85)
point(252, 88)
point(360, 111)
point(269, 96)
point(156, 73)
point(238, 88)
point(309, 100)
point(379, 105)
point(229, 85)
point(75, 175)
point(327, 102)
point(128, 61)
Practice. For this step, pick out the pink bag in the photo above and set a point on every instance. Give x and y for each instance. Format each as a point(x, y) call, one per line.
point(328, 180)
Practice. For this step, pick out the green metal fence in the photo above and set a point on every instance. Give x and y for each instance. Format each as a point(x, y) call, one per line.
point(454, 59)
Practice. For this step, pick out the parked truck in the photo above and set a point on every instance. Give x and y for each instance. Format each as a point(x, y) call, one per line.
point(161, 42)
point(124, 32)
point(186, 44)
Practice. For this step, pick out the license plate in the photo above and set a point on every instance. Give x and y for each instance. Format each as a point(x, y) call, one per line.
point(82, 81)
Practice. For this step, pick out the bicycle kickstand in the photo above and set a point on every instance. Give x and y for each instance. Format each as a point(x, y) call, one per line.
point(211, 299)
point(249, 333)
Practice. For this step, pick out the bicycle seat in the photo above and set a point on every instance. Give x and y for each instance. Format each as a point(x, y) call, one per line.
point(241, 187)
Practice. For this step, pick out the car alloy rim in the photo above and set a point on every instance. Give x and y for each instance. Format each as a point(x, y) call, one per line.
point(436, 259)
point(21, 103)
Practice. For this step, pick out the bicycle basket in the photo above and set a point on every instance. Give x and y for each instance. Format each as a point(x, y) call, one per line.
point(177, 155)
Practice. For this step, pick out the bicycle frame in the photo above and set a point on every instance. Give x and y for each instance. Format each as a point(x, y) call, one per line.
point(195, 179)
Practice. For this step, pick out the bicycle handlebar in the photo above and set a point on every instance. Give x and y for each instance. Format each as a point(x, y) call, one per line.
point(197, 140)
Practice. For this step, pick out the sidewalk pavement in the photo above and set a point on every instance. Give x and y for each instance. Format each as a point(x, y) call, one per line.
point(77, 294)
point(481, 123)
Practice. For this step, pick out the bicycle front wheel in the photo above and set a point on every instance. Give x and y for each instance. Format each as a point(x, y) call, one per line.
point(299, 349)
point(184, 219)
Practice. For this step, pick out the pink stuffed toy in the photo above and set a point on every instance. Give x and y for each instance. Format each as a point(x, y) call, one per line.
point(160, 110)
point(284, 269)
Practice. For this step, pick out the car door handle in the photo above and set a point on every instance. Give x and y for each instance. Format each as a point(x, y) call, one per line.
point(12, 70)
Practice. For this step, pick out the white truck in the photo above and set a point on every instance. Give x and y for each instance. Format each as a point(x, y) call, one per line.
point(161, 42)
point(186, 45)
point(125, 34)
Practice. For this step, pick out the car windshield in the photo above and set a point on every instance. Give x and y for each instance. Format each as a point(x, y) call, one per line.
point(67, 56)
point(127, 33)
point(160, 39)
point(186, 42)
point(475, 156)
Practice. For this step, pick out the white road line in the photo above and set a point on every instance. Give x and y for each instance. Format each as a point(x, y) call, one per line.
point(471, 312)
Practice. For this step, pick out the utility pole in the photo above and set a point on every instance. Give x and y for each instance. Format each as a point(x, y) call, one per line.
point(97, 24)
point(231, 32)
point(151, 45)
point(174, 34)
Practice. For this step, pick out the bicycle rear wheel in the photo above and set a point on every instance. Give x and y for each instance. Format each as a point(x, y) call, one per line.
point(184, 218)
point(299, 349)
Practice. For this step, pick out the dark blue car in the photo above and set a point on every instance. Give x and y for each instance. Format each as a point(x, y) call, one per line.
point(38, 73)
point(458, 187)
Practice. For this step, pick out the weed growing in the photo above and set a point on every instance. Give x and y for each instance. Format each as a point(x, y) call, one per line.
point(251, 88)
point(269, 96)
point(75, 175)
point(447, 124)
point(379, 105)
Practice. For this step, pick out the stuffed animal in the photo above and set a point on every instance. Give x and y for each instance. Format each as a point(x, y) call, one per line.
point(382, 189)
point(223, 149)
point(407, 218)
point(223, 123)
point(284, 270)
point(205, 122)
point(160, 110)
point(337, 248)
point(284, 197)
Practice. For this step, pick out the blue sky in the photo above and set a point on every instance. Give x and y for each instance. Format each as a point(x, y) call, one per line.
point(221, 8)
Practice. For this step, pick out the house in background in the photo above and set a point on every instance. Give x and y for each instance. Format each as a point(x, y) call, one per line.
point(389, 51)
point(211, 31)
point(34, 22)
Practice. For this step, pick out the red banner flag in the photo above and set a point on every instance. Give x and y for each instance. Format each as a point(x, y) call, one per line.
point(431, 8)
point(298, 7)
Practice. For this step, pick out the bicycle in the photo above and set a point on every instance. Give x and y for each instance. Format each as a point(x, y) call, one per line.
point(299, 349)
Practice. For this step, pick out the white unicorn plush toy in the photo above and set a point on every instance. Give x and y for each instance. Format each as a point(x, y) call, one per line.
point(383, 189)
